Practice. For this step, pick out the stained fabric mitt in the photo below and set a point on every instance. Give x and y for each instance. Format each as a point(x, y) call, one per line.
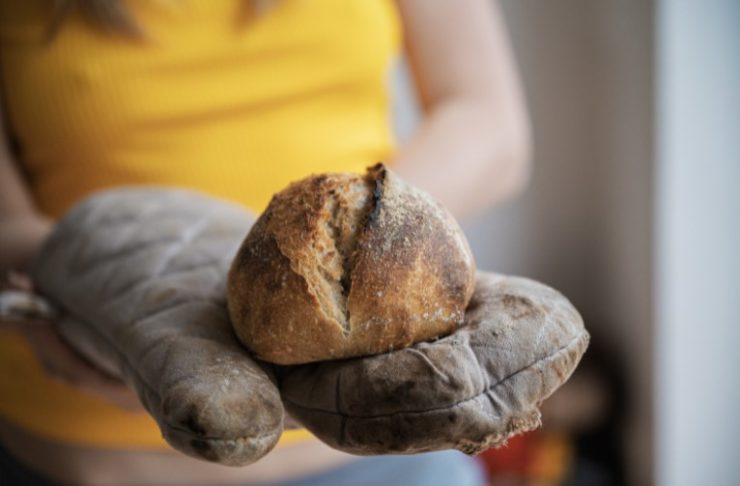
point(139, 275)
point(470, 390)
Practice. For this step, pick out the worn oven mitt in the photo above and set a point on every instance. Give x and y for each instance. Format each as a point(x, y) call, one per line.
point(470, 390)
point(139, 276)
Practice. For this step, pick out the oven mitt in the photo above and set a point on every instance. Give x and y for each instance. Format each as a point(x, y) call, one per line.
point(470, 390)
point(139, 275)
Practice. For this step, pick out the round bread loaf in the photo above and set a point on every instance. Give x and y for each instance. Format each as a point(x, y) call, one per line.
point(343, 265)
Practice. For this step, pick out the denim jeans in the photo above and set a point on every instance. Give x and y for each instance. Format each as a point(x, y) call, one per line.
point(446, 468)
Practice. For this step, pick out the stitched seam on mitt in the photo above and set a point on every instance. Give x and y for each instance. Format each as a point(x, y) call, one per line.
point(573, 342)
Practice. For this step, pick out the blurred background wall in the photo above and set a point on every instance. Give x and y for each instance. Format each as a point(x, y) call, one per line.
point(584, 225)
point(608, 85)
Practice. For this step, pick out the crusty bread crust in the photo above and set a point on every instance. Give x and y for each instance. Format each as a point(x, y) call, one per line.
point(342, 265)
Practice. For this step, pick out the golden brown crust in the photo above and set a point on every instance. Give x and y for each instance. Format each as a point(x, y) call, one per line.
point(341, 265)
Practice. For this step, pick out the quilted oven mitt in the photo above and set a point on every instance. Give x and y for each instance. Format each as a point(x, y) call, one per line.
point(140, 275)
point(471, 390)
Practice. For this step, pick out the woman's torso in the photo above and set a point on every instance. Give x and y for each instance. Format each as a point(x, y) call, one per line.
point(217, 98)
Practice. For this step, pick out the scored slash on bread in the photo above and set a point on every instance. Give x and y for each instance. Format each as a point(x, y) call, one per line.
point(343, 265)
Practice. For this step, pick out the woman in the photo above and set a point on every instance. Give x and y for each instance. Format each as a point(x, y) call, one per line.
point(236, 99)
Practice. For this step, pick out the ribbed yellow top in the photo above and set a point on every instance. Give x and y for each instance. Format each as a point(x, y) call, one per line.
point(216, 98)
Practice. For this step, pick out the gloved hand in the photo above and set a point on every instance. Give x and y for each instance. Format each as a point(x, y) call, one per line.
point(471, 390)
point(140, 276)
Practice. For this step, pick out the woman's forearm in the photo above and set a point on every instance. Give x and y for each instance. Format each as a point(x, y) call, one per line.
point(22, 227)
point(20, 238)
point(472, 149)
point(465, 158)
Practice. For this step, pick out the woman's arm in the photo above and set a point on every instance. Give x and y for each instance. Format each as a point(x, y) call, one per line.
point(472, 149)
point(22, 231)
point(22, 227)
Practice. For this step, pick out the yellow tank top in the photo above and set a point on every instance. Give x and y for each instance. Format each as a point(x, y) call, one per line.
point(216, 98)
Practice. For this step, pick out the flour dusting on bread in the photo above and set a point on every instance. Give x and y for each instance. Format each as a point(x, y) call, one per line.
point(344, 265)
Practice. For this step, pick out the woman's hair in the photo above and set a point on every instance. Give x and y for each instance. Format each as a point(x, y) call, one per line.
point(113, 16)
